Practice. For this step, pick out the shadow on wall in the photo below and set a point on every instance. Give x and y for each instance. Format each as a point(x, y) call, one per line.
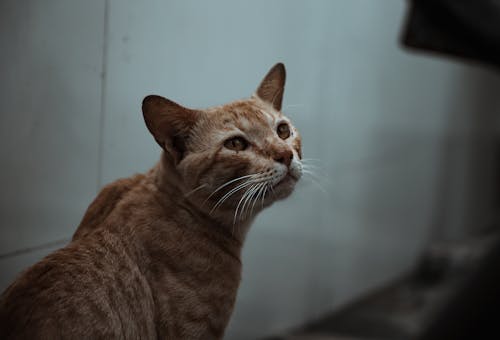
point(467, 185)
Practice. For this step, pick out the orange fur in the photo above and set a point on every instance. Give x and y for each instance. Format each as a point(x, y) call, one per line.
point(157, 255)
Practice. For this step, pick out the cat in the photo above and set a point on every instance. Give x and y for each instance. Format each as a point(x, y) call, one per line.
point(158, 255)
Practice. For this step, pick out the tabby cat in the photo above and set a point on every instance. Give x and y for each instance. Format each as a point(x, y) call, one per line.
point(157, 255)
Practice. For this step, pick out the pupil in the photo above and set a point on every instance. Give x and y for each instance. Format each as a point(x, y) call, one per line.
point(283, 130)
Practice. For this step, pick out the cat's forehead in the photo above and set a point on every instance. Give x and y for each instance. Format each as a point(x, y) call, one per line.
point(245, 115)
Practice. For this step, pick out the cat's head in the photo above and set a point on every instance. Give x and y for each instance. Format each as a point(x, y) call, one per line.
point(231, 160)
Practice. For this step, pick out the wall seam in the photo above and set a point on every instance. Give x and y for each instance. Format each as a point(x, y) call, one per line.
point(26, 250)
point(104, 76)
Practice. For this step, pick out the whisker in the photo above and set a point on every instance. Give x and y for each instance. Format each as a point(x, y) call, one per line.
point(318, 174)
point(195, 189)
point(247, 195)
point(230, 193)
point(226, 184)
point(293, 105)
point(311, 173)
point(311, 160)
point(263, 196)
point(247, 203)
point(257, 197)
point(317, 164)
point(312, 166)
point(238, 206)
point(252, 191)
point(315, 171)
point(315, 181)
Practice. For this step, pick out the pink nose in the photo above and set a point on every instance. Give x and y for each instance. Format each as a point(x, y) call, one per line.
point(284, 157)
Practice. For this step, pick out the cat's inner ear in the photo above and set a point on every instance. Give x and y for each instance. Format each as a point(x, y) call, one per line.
point(272, 87)
point(169, 123)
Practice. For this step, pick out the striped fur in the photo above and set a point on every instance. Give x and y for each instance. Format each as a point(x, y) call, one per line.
point(157, 255)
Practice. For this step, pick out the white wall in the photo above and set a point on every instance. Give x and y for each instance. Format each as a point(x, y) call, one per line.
point(383, 122)
point(50, 90)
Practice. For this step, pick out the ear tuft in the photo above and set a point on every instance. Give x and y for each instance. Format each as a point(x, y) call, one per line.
point(272, 87)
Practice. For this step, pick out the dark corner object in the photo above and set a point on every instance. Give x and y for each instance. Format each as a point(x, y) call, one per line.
point(451, 294)
point(468, 29)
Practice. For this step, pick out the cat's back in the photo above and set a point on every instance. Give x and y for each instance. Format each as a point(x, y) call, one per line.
point(90, 289)
point(106, 202)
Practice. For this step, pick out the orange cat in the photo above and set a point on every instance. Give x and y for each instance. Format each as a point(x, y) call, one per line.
point(157, 255)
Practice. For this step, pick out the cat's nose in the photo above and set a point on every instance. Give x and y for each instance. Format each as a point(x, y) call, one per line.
point(284, 157)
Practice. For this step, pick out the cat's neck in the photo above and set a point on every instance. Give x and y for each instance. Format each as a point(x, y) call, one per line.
point(170, 241)
point(168, 181)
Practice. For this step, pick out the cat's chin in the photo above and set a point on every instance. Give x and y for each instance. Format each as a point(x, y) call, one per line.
point(284, 188)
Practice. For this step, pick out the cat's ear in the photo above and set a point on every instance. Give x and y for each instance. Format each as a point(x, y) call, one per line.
point(272, 87)
point(169, 123)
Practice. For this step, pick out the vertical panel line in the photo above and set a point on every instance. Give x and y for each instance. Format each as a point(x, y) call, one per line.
point(104, 76)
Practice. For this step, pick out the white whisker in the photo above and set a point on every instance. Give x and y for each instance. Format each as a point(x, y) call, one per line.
point(317, 173)
point(249, 197)
point(311, 166)
point(311, 160)
point(259, 193)
point(263, 196)
point(315, 180)
point(239, 203)
point(195, 190)
point(293, 105)
point(226, 184)
point(253, 197)
point(230, 193)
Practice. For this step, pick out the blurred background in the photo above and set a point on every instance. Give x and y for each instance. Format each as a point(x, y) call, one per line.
point(406, 144)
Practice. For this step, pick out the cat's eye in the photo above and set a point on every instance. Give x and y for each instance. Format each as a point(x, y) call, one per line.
point(283, 131)
point(236, 144)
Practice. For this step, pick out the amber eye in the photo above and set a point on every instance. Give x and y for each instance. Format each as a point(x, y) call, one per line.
point(236, 143)
point(283, 131)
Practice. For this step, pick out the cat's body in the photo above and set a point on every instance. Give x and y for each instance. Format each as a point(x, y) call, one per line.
point(157, 256)
point(138, 286)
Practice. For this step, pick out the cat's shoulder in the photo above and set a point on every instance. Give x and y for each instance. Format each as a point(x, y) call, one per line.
point(105, 203)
